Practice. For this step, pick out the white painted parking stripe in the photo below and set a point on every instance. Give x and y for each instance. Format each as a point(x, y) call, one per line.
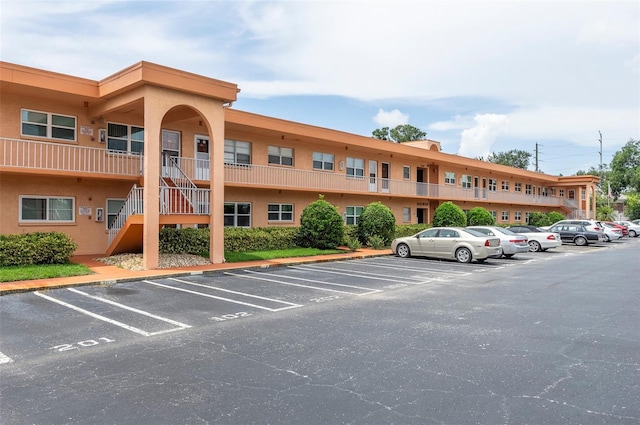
point(397, 266)
point(291, 305)
point(5, 359)
point(360, 273)
point(323, 270)
point(369, 290)
point(135, 310)
point(106, 319)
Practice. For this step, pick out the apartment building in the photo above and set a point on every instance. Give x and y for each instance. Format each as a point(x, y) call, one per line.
point(110, 162)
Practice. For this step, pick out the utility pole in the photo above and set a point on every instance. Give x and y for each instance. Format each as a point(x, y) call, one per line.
point(537, 169)
point(599, 132)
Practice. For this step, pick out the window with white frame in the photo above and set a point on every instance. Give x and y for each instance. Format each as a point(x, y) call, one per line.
point(237, 214)
point(406, 172)
point(280, 212)
point(517, 216)
point(125, 138)
point(237, 152)
point(449, 177)
point(493, 185)
point(323, 161)
point(113, 208)
point(280, 156)
point(406, 214)
point(352, 214)
point(527, 189)
point(355, 167)
point(561, 193)
point(545, 191)
point(47, 124)
point(505, 185)
point(552, 191)
point(465, 181)
point(494, 214)
point(517, 187)
point(46, 209)
point(527, 216)
point(583, 194)
point(505, 216)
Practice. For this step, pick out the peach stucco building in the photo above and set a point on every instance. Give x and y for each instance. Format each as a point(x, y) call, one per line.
point(110, 162)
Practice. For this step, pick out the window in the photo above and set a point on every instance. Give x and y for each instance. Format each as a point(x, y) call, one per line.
point(517, 216)
point(505, 185)
point(406, 172)
point(527, 215)
point(323, 161)
point(493, 185)
point(545, 191)
point(45, 124)
point(449, 177)
point(466, 181)
point(517, 187)
point(46, 208)
point(355, 167)
point(561, 193)
point(406, 215)
point(113, 208)
point(237, 152)
point(352, 214)
point(527, 189)
point(237, 214)
point(505, 216)
point(280, 156)
point(125, 138)
point(583, 194)
point(494, 214)
point(280, 212)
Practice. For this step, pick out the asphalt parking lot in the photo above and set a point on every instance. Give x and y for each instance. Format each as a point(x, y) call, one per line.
point(549, 337)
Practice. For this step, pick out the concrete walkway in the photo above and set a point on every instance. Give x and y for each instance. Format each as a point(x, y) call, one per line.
point(106, 274)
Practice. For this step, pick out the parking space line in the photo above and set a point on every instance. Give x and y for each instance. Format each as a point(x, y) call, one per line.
point(369, 290)
point(111, 321)
point(289, 305)
point(5, 359)
point(420, 269)
point(322, 270)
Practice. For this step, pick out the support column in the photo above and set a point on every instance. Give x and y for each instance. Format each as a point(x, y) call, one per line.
point(215, 117)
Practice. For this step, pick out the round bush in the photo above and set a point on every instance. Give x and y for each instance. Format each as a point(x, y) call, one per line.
point(479, 216)
point(376, 220)
point(321, 226)
point(554, 217)
point(539, 219)
point(449, 214)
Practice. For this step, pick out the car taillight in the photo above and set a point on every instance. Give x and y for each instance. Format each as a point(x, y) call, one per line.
point(596, 228)
point(551, 237)
point(487, 243)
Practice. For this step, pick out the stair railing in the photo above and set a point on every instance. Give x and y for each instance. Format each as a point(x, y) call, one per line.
point(132, 205)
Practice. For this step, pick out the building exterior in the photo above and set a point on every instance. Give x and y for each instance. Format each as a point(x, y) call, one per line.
point(110, 162)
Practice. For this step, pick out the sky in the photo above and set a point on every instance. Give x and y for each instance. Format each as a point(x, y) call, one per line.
point(480, 77)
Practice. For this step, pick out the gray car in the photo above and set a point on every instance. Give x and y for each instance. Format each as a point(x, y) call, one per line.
point(512, 243)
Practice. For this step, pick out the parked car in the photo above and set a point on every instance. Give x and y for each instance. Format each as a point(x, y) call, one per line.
point(611, 233)
point(577, 234)
point(511, 243)
point(592, 225)
point(637, 221)
point(633, 228)
point(456, 243)
point(624, 229)
point(539, 238)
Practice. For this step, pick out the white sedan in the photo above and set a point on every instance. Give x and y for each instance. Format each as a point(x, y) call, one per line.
point(511, 243)
point(539, 238)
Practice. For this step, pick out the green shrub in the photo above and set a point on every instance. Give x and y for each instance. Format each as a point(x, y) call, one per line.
point(245, 239)
point(321, 226)
point(479, 216)
point(352, 242)
point(449, 214)
point(36, 248)
point(350, 232)
point(554, 217)
point(376, 242)
point(188, 240)
point(403, 230)
point(540, 219)
point(376, 220)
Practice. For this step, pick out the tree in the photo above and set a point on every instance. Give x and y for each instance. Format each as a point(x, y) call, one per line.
point(479, 216)
point(632, 205)
point(449, 214)
point(399, 134)
point(376, 220)
point(321, 226)
point(625, 169)
point(513, 158)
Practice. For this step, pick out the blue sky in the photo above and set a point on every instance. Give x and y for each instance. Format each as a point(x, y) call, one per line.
point(478, 76)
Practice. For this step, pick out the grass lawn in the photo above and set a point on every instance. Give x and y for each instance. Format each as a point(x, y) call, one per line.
point(236, 257)
point(42, 271)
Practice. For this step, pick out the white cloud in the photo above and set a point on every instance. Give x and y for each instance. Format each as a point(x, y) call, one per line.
point(458, 122)
point(390, 119)
point(477, 141)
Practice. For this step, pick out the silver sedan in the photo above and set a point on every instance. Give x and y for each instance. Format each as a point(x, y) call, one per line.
point(511, 243)
point(456, 243)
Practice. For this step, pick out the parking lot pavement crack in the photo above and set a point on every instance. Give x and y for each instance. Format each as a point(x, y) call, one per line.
point(582, 409)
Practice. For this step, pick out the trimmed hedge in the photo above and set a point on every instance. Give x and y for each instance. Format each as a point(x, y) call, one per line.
point(376, 220)
point(403, 230)
point(36, 248)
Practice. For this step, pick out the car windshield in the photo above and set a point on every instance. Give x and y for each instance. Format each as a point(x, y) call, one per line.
point(475, 233)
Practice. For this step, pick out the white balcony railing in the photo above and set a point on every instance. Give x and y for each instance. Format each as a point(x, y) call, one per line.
point(68, 158)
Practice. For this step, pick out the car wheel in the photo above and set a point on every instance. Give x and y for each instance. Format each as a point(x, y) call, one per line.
point(463, 255)
point(632, 233)
point(580, 241)
point(534, 246)
point(508, 255)
point(607, 238)
point(403, 250)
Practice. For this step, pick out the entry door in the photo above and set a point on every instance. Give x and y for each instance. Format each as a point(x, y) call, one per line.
point(421, 188)
point(484, 188)
point(202, 157)
point(373, 176)
point(385, 177)
point(170, 153)
point(476, 187)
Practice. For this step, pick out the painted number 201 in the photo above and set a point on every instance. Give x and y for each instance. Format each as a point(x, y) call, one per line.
point(81, 344)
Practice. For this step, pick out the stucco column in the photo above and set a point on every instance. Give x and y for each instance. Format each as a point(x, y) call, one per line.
point(151, 169)
point(215, 117)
